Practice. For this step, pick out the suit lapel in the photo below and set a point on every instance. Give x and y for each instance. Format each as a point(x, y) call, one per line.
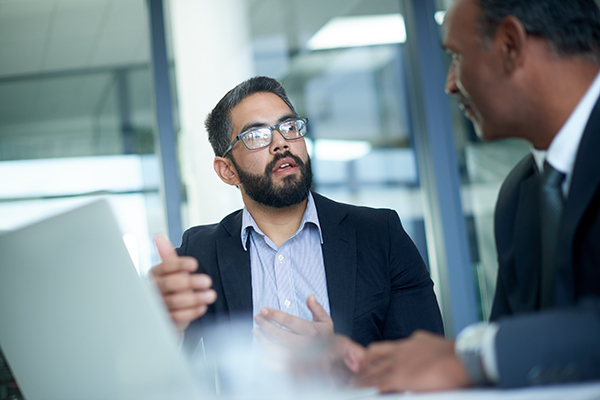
point(234, 267)
point(527, 245)
point(585, 183)
point(339, 257)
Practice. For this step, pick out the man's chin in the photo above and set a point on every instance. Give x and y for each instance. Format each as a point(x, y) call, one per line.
point(282, 181)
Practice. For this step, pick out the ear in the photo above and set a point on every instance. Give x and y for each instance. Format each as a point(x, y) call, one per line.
point(511, 36)
point(226, 171)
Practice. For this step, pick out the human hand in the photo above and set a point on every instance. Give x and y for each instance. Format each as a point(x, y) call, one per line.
point(311, 349)
point(294, 332)
point(423, 362)
point(186, 295)
point(343, 359)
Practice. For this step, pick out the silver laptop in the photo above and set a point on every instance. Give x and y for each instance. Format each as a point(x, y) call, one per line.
point(76, 321)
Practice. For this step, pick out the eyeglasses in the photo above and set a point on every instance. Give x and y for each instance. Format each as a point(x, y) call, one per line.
point(257, 138)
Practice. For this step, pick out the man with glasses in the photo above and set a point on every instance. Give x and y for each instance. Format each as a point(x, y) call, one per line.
point(291, 257)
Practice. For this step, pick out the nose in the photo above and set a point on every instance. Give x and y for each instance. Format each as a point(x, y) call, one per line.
point(451, 88)
point(279, 143)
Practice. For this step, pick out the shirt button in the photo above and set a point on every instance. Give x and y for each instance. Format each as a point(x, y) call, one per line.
point(287, 303)
point(280, 257)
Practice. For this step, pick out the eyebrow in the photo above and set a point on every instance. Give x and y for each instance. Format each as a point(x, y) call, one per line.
point(258, 124)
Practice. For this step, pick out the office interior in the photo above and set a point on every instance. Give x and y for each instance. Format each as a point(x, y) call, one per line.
point(107, 98)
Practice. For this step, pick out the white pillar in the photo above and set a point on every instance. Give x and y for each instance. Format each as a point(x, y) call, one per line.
point(212, 53)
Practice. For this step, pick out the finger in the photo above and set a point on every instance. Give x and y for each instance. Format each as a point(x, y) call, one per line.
point(201, 281)
point(377, 351)
point(165, 247)
point(352, 353)
point(295, 324)
point(275, 333)
point(174, 283)
point(175, 264)
point(375, 373)
point(189, 299)
point(318, 312)
point(188, 314)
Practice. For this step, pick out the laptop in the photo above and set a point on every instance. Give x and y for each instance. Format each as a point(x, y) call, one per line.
point(77, 322)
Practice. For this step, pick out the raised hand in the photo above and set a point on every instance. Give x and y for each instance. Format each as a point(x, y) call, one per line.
point(186, 294)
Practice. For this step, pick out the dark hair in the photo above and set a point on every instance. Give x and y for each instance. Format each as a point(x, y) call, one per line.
point(218, 121)
point(571, 27)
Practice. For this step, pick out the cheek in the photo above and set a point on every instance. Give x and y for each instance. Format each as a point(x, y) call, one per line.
point(298, 147)
point(253, 161)
point(463, 80)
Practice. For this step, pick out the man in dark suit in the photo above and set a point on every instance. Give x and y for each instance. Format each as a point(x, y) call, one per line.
point(291, 256)
point(526, 69)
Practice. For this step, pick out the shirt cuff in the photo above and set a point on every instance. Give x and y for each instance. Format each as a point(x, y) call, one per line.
point(488, 353)
point(475, 346)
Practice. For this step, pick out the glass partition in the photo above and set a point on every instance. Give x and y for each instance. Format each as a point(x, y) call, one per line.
point(342, 63)
point(483, 167)
point(76, 115)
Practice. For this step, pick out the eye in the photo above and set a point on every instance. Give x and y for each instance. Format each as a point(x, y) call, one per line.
point(257, 137)
point(289, 126)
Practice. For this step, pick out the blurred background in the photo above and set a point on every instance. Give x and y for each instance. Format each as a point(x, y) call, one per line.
point(107, 98)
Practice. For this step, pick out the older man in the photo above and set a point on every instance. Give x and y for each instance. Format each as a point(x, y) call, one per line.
point(524, 69)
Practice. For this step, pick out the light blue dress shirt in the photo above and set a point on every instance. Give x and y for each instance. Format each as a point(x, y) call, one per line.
point(283, 277)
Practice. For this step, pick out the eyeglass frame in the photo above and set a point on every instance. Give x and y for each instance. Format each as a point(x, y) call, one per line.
point(271, 128)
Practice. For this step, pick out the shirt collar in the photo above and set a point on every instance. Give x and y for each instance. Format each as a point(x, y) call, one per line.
point(563, 150)
point(310, 216)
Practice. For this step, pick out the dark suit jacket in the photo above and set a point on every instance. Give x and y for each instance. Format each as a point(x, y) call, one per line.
point(378, 285)
point(561, 344)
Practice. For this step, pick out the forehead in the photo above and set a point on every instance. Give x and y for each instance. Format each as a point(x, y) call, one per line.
point(258, 109)
point(460, 24)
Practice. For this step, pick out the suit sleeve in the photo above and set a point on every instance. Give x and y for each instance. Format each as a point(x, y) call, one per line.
point(413, 304)
point(555, 346)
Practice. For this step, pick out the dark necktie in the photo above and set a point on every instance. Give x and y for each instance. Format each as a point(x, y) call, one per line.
point(551, 199)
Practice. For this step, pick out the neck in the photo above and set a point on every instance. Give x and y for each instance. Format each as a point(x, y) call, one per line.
point(279, 224)
point(559, 87)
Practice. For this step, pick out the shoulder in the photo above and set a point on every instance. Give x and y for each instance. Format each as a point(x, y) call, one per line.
point(202, 235)
point(331, 210)
point(525, 169)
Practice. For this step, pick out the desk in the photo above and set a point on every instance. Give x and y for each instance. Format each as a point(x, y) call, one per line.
point(588, 391)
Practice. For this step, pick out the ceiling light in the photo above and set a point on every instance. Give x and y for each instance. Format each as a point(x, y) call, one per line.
point(363, 30)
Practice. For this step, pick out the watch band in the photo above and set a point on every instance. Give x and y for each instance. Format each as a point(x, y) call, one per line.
point(468, 347)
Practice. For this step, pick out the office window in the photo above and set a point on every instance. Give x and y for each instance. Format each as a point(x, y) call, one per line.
point(352, 88)
point(76, 115)
point(483, 167)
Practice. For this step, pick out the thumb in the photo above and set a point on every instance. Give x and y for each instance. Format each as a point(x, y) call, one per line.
point(318, 312)
point(165, 247)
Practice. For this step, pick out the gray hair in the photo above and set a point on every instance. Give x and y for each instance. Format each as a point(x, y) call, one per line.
point(571, 27)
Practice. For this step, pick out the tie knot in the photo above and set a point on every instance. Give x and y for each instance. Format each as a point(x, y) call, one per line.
point(552, 177)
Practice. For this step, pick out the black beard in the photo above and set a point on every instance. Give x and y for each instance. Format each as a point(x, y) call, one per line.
point(260, 188)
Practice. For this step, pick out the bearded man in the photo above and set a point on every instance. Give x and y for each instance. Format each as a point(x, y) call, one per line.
point(290, 256)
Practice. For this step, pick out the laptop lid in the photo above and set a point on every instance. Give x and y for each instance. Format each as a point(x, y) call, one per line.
point(76, 321)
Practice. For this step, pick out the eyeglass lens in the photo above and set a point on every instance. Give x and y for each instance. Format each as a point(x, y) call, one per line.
point(261, 137)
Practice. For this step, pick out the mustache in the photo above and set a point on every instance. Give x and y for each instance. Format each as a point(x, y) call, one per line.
point(279, 156)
